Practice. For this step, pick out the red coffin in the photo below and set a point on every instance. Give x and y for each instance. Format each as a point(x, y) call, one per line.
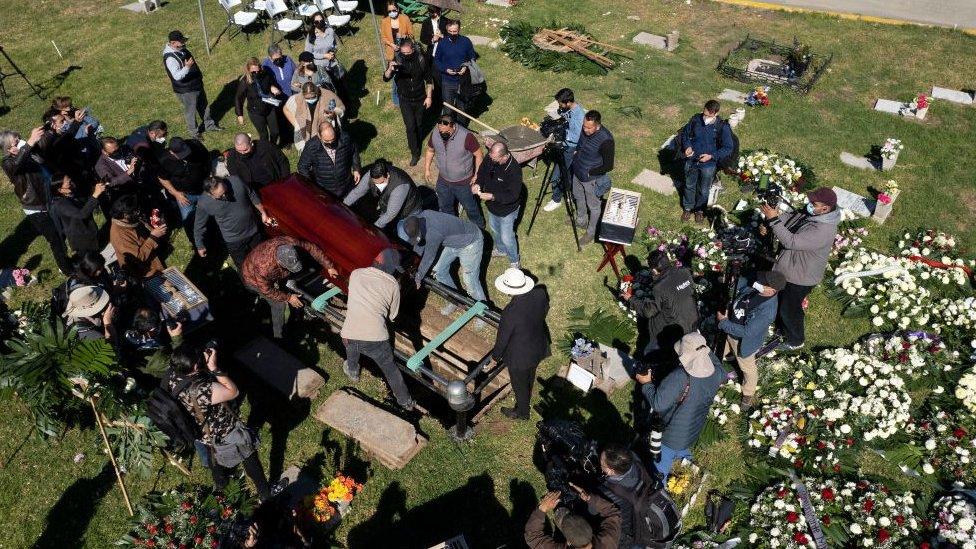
point(307, 212)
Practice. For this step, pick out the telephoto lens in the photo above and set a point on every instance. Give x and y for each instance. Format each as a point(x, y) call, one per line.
point(655, 441)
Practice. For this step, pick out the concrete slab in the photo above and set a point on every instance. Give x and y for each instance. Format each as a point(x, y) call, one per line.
point(889, 106)
point(499, 3)
point(655, 181)
point(392, 440)
point(733, 96)
point(479, 40)
point(652, 40)
point(955, 96)
point(279, 369)
point(618, 367)
point(857, 161)
point(854, 203)
point(142, 6)
point(955, 14)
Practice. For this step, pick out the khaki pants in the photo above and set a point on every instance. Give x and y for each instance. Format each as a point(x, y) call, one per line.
point(750, 375)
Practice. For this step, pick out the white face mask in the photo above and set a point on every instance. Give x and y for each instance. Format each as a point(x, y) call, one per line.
point(759, 287)
point(394, 14)
point(21, 144)
point(710, 119)
point(160, 140)
point(382, 186)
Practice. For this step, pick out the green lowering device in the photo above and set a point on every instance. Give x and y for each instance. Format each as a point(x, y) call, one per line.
point(416, 360)
point(320, 302)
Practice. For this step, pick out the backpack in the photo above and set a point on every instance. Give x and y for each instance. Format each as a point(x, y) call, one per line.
point(169, 416)
point(729, 162)
point(59, 299)
point(656, 518)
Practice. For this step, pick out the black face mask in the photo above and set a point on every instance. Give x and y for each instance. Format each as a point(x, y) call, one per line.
point(320, 24)
point(445, 135)
point(117, 155)
point(329, 145)
point(279, 62)
point(562, 110)
point(453, 37)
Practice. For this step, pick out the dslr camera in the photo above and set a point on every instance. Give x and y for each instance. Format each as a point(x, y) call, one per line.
point(772, 195)
point(570, 457)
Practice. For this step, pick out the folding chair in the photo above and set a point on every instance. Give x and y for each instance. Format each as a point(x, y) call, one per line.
point(241, 18)
point(415, 9)
point(308, 10)
point(277, 11)
point(339, 21)
point(347, 6)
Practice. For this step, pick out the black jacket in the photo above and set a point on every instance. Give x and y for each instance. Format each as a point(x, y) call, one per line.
point(25, 172)
point(427, 32)
point(504, 181)
point(671, 310)
point(186, 175)
point(74, 216)
point(412, 76)
point(335, 177)
point(265, 164)
point(260, 84)
point(523, 336)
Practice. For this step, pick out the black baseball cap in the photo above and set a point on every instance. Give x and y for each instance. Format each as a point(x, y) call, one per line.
point(772, 279)
point(179, 148)
point(177, 36)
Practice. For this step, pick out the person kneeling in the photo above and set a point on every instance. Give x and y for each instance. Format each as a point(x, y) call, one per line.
point(575, 529)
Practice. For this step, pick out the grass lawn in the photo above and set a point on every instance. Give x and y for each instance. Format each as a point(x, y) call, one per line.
point(485, 488)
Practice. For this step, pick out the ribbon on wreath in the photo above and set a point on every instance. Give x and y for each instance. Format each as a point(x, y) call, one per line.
point(940, 265)
point(813, 521)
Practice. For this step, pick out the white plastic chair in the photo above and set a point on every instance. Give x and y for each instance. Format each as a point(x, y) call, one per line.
point(259, 5)
point(277, 11)
point(240, 19)
point(307, 10)
point(347, 6)
point(338, 21)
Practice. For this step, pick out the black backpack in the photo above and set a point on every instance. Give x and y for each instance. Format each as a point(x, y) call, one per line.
point(656, 518)
point(729, 162)
point(169, 416)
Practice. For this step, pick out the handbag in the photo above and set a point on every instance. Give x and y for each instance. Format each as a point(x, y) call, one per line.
point(233, 448)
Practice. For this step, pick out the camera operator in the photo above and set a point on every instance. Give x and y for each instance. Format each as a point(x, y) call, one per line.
point(649, 517)
point(747, 323)
point(670, 309)
point(412, 75)
point(573, 113)
point(150, 341)
point(575, 529)
point(683, 397)
point(806, 238)
point(205, 392)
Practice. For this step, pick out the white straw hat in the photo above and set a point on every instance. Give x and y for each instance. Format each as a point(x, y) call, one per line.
point(514, 282)
point(86, 301)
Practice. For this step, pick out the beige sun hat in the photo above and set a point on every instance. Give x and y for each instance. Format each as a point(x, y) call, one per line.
point(86, 301)
point(514, 282)
point(694, 355)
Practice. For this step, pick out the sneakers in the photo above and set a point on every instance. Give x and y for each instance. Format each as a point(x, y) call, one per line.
point(699, 217)
point(510, 413)
point(685, 215)
point(551, 205)
point(515, 264)
point(586, 239)
point(352, 374)
point(791, 347)
point(448, 309)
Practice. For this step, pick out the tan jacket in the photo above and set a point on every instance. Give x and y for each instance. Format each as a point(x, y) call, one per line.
point(136, 249)
point(373, 297)
point(386, 31)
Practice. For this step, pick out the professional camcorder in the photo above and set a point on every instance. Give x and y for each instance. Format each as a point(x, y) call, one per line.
point(555, 127)
point(772, 195)
point(570, 457)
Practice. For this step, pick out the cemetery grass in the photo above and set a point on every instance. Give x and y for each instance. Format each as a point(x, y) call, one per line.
point(484, 488)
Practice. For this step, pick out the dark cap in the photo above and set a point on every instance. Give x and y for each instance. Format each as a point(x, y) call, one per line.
point(177, 36)
point(824, 195)
point(179, 148)
point(306, 57)
point(287, 256)
point(387, 261)
point(412, 229)
point(772, 279)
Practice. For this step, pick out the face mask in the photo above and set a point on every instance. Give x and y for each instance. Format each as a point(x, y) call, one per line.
point(562, 110)
point(117, 155)
point(160, 140)
point(758, 287)
point(382, 186)
point(709, 119)
point(21, 144)
point(394, 14)
point(279, 62)
point(312, 101)
point(330, 145)
point(445, 135)
point(320, 24)
point(453, 37)
point(810, 209)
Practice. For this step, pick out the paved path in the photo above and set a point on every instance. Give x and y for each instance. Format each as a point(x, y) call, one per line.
point(945, 13)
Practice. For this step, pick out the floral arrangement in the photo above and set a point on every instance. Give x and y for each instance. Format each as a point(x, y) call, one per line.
point(320, 508)
point(954, 521)
point(966, 390)
point(921, 102)
point(941, 446)
point(849, 238)
point(777, 520)
point(679, 481)
point(21, 277)
point(880, 517)
point(187, 517)
point(777, 169)
point(913, 354)
point(582, 348)
point(758, 97)
point(889, 192)
point(697, 250)
point(891, 147)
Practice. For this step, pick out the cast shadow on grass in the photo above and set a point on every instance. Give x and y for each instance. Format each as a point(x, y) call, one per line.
point(355, 81)
point(471, 510)
point(281, 414)
point(68, 520)
point(15, 244)
point(600, 418)
point(224, 102)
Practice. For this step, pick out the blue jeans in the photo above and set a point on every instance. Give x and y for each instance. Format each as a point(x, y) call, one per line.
point(448, 196)
point(393, 93)
point(470, 258)
point(187, 214)
point(504, 230)
point(698, 181)
point(666, 458)
point(557, 183)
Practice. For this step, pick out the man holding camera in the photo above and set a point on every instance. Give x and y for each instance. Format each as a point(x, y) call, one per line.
point(806, 238)
point(575, 529)
point(415, 88)
point(706, 139)
point(670, 309)
point(573, 113)
point(648, 515)
point(747, 322)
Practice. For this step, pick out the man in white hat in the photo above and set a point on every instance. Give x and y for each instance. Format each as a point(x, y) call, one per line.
point(523, 336)
point(683, 397)
point(91, 313)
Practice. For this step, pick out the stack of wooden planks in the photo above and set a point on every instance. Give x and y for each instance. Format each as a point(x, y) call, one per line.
point(565, 40)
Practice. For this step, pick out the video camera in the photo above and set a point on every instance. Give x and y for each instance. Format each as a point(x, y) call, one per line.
point(772, 195)
point(555, 127)
point(570, 457)
point(738, 242)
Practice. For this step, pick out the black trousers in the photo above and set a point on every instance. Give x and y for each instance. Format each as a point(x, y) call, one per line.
point(522, 380)
point(266, 124)
point(239, 250)
point(413, 121)
point(44, 225)
point(254, 470)
point(791, 316)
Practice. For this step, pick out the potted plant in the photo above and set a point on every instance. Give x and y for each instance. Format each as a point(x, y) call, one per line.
point(889, 153)
point(886, 201)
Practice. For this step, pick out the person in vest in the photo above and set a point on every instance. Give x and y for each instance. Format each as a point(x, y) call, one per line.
point(523, 336)
point(500, 186)
point(411, 73)
point(75, 214)
point(707, 139)
point(682, 399)
point(331, 161)
point(747, 324)
point(374, 297)
point(187, 80)
point(458, 156)
point(591, 173)
point(391, 188)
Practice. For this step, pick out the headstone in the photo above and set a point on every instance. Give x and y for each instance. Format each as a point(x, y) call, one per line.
point(672, 40)
point(854, 203)
point(479, 40)
point(499, 3)
point(955, 96)
point(889, 106)
point(737, 117)
point(733, 96)
point(767, 69)
point(495, 43)
point(298, 485)
point(279, 369)
point(391, 439)
point(655, 181)
point(142, 6)
point(619, 366)
point(882, 211)
point(857, 161)
point(652, 40)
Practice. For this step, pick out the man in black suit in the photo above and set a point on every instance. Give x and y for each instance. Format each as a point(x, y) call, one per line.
point(433, 28)
point(523, 336)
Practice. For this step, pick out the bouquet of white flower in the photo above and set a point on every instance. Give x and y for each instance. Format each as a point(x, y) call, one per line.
point(777, 169)
point(954, 518)
point(891, 147)
point(941, 446)
point(966, 390)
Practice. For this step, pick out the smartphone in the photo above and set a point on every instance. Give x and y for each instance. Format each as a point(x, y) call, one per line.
point(332, 104)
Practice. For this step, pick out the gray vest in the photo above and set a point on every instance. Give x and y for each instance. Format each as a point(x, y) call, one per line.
point(454, 163)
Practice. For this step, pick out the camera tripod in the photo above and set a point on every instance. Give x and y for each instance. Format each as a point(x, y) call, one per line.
point(558, 160)
point(16, 72)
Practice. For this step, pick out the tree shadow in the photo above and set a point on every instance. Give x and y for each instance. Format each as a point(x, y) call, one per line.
point(68, 520)
point(472, 510)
